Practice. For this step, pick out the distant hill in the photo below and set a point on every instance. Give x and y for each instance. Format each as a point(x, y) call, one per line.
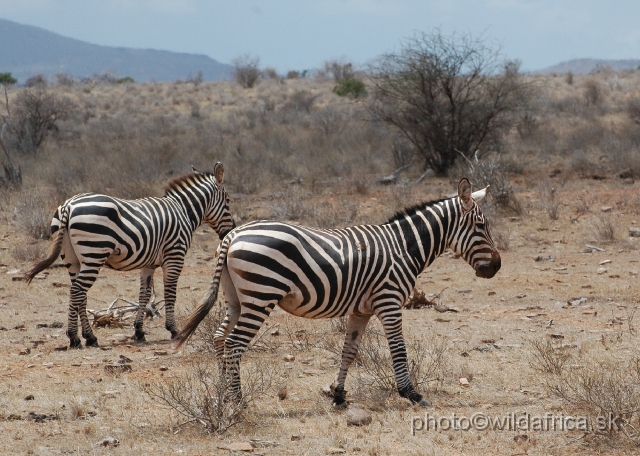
point(586, 66)
point(28, 50)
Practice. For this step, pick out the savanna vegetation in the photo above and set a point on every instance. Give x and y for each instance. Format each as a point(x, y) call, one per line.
point(554, 331)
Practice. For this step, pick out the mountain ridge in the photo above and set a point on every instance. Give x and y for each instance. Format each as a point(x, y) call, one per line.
point(30, 50)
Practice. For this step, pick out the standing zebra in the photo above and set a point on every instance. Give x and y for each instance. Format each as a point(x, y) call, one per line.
point(358, 271)
point(91, 230)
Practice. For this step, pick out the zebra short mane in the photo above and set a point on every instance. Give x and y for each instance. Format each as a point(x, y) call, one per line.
point(176, 183)
point(411, 210)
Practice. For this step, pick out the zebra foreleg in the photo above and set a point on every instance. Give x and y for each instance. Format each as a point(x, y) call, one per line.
point(171, 273)
point(146, 285)
point(356, 326)
point(236, 344)
point(391, 320)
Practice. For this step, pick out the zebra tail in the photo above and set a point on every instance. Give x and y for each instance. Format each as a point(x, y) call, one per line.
point(212, 295)
point(56, 247)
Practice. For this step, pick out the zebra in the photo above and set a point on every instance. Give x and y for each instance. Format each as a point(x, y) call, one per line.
point(91, 230)
point(358, 272)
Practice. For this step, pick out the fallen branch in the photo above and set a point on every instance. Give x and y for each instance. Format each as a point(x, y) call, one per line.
point(116, 316)
point(393, 178)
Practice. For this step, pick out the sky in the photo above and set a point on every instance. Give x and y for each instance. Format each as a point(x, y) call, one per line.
point(303, 34)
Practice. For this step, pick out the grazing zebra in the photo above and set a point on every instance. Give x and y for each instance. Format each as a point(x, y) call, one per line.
point(358, 271)
point(91, 231)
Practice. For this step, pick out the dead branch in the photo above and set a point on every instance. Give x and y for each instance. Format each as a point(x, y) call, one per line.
point(115, 316)
point(393, 178)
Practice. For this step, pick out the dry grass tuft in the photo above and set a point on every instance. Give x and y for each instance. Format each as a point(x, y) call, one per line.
point(200, 394)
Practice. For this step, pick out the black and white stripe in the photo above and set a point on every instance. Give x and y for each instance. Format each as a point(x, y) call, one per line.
point(358, 271)
point(91, 231)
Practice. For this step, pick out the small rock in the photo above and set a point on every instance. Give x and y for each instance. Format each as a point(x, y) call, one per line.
point(61, 348)
point(30, 397)
point(334, 450)
point(606, 208)
point(601, 270)
point(109, 441)
point(576, 301)
point(164, 368)
point(358, 415)
point(634, 232)
point(161, 353)
point(327, 390)
point(464, 382)
point(492, 293)
point(240, 446)
point(558, 305)
point(124, 360)
point(521, 295)
point(25, 351)
point(289, 358)
point(604, 262)
point(296, 437)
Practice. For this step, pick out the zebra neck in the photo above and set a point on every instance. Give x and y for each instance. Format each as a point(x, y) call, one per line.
point(425, 232)
point(193, 210)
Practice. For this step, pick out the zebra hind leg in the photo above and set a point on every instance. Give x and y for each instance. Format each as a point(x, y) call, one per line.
point(78, 307)
point(236, 344)
point(356, 326)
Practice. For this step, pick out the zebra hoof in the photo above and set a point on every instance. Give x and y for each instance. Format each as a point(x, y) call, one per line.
point(424, 404)
point(417, 399)
point(139, 336)
point(339, 402)
point(74, 343)
point(91, 341)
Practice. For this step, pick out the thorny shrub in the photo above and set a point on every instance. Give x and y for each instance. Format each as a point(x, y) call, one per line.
point(201, 394)
point(33, 213)
point(594, 381)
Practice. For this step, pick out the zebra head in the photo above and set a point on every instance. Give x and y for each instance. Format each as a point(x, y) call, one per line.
point(471, 238)
point(217, 214)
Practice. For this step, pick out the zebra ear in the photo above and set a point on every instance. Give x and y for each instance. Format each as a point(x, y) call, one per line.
point(218, 171)
point(464, 192)
point(478, 195)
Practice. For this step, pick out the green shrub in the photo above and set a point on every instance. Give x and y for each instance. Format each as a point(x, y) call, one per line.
point(352, 87)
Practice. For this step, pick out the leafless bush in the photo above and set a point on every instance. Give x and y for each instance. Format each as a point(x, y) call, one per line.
point(327, 215)
point(246, 71)
point(303, 100)
point(592, 92)
point(28, 253)
point(501, 236)
point(290, 205)
point(36, 80)
point(201, 394)
point(604, 389)
point(35, 113)
point(569, 78)
point(581, 165)
point(548, 356)
point(633, 109)
point(339, 70)
point(33, 213)
point(490, 171)
point(548, 200)
point(604, 228)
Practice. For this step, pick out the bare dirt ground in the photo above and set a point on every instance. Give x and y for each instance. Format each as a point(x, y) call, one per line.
point(65, 402)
